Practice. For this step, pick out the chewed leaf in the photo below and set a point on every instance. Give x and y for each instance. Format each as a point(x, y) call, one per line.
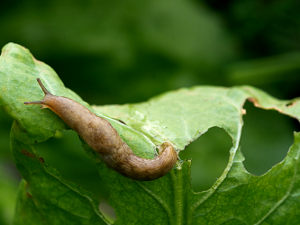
point(180, 117)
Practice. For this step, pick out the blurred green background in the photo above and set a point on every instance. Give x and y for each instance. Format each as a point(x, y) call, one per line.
point(115, 52)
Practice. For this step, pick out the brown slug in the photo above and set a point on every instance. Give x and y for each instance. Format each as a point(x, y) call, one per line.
point(99, 134)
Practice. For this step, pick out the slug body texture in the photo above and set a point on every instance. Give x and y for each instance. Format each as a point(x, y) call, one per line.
point(105, 140)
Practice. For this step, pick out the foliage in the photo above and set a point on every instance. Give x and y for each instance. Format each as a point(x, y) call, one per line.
point(147, 46)
point(237, 197)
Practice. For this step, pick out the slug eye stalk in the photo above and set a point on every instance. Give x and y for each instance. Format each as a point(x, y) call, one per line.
point(105, 140)
point(46, 92)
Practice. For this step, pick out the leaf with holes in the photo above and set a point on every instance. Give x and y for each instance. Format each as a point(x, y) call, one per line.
point(180, 117)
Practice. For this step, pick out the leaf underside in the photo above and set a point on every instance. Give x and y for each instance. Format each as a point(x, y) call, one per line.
point(180, 117)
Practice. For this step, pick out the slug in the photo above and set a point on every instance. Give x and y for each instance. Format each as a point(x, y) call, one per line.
point(99, 134)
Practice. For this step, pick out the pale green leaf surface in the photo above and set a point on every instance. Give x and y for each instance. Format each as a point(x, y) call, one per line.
point(180, 117)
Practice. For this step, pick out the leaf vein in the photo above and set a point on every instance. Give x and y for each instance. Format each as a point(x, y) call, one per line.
point(158, 199)
point(282, 200)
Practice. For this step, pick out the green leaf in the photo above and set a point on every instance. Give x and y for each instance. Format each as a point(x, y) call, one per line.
point(18, 73)
point(8, 188)
point(181, 116)
point(48, 195)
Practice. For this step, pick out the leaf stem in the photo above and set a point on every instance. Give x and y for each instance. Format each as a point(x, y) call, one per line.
point(178, 195)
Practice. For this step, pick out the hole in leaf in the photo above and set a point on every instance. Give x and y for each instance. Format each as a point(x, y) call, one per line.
point(107, 210)
point(266, 138)
point(289, 104)
point(209, 155)
point(65, 154)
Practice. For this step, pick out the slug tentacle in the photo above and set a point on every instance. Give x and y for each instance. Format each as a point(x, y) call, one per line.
point(34, 103)
point(44, 89)
point(46, 92)
point(105, 140)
